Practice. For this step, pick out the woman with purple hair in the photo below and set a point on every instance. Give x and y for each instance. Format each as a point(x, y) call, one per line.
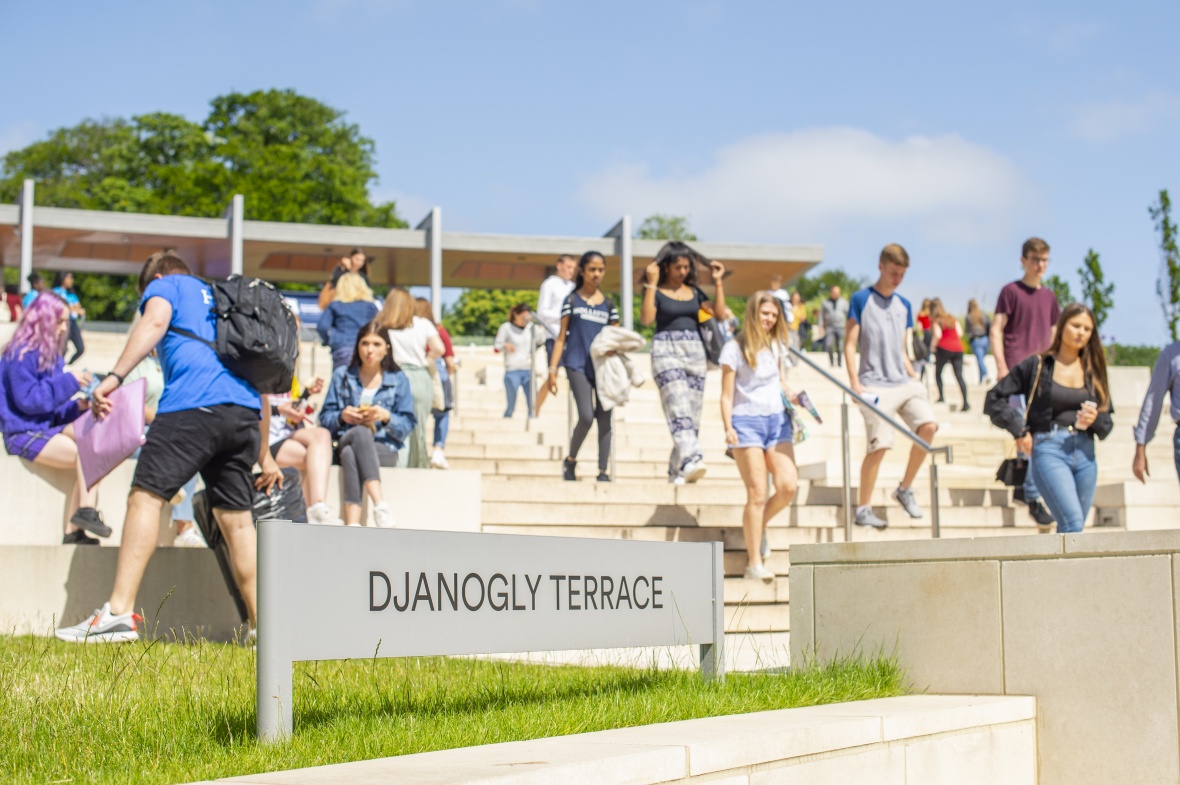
point(37, 407)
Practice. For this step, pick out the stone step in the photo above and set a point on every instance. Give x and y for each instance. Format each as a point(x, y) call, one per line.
point(723, 515)
point(748, 617)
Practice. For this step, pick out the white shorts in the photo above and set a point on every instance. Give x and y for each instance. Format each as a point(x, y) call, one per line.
point(907, 401)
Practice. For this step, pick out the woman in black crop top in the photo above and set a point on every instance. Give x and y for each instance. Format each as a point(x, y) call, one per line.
point(672, 299)
point(1068, 405)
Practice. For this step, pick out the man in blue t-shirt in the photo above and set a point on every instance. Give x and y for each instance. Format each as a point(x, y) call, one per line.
point(879, 325)
point(207, 422)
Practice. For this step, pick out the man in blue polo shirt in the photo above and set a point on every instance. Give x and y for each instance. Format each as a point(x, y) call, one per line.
point(207, 422)
point(879, 325)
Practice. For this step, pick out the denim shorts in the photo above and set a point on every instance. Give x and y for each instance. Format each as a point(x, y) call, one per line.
point(763, 430)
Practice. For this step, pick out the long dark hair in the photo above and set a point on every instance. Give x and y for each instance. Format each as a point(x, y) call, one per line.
point(374, 328)
point(59, 278)
point(677, 250)
point(1092, 355)
point(587, 257)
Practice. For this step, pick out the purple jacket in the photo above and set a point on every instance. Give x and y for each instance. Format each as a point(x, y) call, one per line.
point(34, 400)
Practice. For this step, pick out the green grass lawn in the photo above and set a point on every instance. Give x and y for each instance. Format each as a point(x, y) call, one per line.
point(169, 713)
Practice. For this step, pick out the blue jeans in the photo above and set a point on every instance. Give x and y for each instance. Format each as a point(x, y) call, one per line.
point(513, 381)
point(980, 347)
point(1031, 494)
point(1066, 474)
point(442, 424)
point(184, 510)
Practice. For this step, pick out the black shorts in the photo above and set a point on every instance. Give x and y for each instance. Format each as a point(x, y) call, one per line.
point(274, 448)
point(218, 442)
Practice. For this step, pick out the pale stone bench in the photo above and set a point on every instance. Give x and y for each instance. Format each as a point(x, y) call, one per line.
point(913, 740)
point(34, 500)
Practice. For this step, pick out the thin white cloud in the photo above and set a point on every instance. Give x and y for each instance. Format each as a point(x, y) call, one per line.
point(1063, 37)
point(1104, 121)
point(805, 185)
point(1072, 36)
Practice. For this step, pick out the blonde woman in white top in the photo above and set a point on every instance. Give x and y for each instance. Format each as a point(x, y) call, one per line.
point(415, 344)
point(757, 428)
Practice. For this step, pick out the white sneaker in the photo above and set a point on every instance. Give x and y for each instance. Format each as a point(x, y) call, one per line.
point(189, 538)
point(765, 549)
point(320, 514)
point(102, 627)
point(676, 480)
point(693, 470)
point(383, 516)
point(438, 460)
point(759, 572)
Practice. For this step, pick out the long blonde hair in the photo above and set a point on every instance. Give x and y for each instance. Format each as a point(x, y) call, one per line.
point(753, 339)
point(423, 309)
point(351, 287)
point(939, 315)
point(398, 311)
point(974, 314)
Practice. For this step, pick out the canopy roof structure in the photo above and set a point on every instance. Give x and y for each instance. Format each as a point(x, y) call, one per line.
point(57, 238)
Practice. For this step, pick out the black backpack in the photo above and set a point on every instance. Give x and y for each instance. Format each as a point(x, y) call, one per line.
point(257, 337)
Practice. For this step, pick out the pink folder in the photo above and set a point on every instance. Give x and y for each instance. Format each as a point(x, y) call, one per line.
point(103, 445)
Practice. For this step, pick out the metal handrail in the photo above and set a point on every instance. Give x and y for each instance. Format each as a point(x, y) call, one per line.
point(846, 444)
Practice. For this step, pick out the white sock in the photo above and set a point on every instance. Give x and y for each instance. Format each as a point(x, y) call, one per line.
point(863, 508)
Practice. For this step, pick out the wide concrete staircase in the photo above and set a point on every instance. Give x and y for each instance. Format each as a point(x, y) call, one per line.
point(523, 492)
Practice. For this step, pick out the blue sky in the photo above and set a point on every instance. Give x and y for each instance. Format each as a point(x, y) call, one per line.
point(958, 130)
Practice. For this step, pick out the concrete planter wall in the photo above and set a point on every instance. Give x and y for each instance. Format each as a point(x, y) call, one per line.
point(915, 740)
point(1087, 623)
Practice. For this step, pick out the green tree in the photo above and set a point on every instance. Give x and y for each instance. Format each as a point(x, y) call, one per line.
point(1095, 291)
point(1060, 288)
point(482, 311)
point(665, 227)
point(816, 287)
point(294, 158)
point(1167, 286)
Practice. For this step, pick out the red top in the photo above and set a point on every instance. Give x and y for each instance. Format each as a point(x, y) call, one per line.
point(952, 339)
point(448, 349)
point(924, 322)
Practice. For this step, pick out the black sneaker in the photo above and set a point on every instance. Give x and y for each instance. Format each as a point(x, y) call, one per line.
point(78, 537)
point(90, 519)
point(966, 407)
point(603, 477)
point(567, 470)
point(1037, 511)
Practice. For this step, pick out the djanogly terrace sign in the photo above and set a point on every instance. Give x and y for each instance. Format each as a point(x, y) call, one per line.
point(402, 593)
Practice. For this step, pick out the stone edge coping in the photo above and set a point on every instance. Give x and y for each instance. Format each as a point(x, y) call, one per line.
point(1034, 546)
point(674, 750)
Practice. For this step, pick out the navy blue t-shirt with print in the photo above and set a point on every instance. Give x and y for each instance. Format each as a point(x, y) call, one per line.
point(586, 322)
point(193, 373)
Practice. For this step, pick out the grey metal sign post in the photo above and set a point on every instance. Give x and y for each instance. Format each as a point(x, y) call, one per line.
point(399, 593)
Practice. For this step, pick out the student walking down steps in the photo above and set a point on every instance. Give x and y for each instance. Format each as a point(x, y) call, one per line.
point(757, 426)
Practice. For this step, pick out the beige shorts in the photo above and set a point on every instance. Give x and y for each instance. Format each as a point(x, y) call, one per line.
point(907, 401)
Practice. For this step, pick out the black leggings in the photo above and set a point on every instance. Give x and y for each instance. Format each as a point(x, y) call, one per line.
point(589, 408)
point(941, 358)
point(76, 340)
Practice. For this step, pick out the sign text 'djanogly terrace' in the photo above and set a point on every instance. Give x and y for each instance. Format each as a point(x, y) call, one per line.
point(438, 591)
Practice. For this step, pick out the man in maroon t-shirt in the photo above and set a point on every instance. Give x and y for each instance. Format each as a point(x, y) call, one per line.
point(1026, 318)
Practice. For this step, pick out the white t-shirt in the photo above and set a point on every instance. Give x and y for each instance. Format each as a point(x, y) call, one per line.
point(553, 292)
point(756, 391)
point(409, 344)
point(784, 299)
